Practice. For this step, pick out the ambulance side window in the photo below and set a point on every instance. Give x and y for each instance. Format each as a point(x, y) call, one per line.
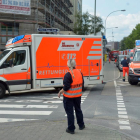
point(18, 58)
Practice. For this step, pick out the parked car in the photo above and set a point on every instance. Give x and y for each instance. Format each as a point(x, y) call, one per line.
point(119, 59)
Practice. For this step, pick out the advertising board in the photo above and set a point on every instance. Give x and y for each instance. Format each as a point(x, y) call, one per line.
point(15, 7)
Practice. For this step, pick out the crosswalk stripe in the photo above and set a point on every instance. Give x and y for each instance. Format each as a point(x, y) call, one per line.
point(27, 106)
point(53, 102)
point(2, 120)
point(13, 112)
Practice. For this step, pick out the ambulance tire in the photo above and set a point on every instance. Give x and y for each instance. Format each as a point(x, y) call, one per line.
point(2, 91)
point(131, 82)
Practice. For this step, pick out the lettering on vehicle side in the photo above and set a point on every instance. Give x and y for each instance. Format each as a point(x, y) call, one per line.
point(48, 72)
point(51, 72)
point(70, 45)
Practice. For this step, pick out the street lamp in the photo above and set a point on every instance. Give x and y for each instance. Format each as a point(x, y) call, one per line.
point(109, 36)
point(108, 16)
point(111, 27)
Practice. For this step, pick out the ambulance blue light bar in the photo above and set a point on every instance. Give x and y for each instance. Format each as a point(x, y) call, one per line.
point(18, 38)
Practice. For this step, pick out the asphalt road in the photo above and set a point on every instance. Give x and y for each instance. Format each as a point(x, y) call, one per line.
point(115, 105)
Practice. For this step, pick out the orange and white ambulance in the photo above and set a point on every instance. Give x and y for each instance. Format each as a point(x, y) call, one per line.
point(134, 68)
point(39, 61)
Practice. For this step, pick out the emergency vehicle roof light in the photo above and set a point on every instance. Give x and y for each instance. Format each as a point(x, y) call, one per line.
point(138, 43)
point(18, 38)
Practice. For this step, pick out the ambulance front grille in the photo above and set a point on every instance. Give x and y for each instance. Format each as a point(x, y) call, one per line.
point(137, 71)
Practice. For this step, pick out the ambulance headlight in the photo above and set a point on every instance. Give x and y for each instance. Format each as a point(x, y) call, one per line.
point(130, 70)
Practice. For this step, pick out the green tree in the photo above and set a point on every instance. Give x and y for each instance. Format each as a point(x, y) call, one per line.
point(85, 24)
point(129, 42)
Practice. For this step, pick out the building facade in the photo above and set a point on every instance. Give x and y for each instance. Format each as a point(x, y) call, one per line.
point(77, 8)
point(44, 14)
point(113, 45)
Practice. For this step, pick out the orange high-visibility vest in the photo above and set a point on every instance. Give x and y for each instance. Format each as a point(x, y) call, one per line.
point(76, 86)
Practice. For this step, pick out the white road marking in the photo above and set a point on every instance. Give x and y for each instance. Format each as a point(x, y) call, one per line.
point(124, 122)
point(120, 101)
point(13, 112)
point(119, 98)
point(27, 106)
point(23, 101)
point(52, 102)
point(122, 112)
point(2, 120)
point(121, 108)
point(125, 127)
point(123, 116)
point(118, 93)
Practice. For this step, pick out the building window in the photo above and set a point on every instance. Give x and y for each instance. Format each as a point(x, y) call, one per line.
point(78, 6)
point(9, 30)
point(3, 40)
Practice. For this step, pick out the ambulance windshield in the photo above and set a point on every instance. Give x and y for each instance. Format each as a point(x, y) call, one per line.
point(4, 53)
point(131, 54)
point(137, 56)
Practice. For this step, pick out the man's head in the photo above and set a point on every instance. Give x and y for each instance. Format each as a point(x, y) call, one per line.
point(71, 63)
point(125, 57)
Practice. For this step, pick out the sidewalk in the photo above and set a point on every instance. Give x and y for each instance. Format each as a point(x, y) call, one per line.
point(55, 130)
point(110, 71)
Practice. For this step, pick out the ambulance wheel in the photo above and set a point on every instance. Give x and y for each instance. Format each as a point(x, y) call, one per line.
point(131, 82)
point(2, 90)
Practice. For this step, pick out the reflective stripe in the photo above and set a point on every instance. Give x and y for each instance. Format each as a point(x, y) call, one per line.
point(95, 52)
point(73, 89)
point(96, 47)
point(93, 57)
point(97, 42)
point(72, 94)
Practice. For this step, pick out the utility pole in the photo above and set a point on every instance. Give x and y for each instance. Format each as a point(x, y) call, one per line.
point(95, 18)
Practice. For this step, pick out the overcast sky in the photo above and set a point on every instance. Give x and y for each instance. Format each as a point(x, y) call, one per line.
point(125, 21)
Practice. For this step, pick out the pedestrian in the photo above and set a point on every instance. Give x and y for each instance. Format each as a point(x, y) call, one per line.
point(125, 66)
point(72, 92)
point(115, 60)
point(109, 58)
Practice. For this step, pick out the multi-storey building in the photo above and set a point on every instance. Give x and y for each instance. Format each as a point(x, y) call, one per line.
point(44, 14)
point(77, 8)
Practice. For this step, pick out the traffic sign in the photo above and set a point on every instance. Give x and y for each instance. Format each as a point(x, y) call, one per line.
point(47, 29)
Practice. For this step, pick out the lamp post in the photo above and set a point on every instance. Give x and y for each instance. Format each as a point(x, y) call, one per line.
point(108, 16)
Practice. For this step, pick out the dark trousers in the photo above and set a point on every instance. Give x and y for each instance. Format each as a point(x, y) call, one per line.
point(70, 104)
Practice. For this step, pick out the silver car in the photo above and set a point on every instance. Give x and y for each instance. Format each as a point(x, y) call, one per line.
point(119, 59)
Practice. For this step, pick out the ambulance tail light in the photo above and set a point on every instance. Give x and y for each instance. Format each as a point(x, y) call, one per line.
point(18, 38)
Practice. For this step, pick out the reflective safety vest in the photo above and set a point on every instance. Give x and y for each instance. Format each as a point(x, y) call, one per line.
point(76, 86)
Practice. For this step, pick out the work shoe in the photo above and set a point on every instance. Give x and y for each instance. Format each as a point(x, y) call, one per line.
point(69, 131)
point(81, 128)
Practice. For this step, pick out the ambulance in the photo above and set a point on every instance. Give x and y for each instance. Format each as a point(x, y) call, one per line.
point(134, 67)
point(40, 61)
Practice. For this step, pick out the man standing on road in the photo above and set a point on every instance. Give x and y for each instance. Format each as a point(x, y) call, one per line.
point(125, 66)
point(72, 92)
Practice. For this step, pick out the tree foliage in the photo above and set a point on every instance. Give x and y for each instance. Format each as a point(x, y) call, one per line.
point(129, 42)
point(85, 24)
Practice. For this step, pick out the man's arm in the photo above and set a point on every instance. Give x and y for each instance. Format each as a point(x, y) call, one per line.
point(66, 82)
